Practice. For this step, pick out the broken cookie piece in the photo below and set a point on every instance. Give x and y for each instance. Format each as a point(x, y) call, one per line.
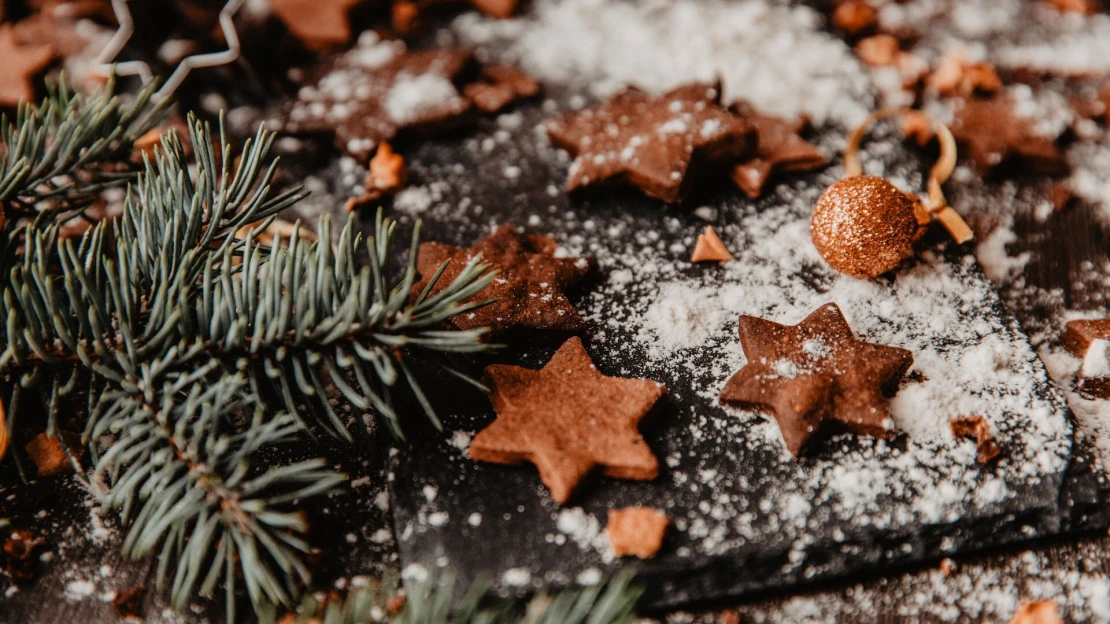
point(386, 176)
point(636, 531)
point(1040, 612)
point(976, 428)
point(709, 248)
point(1089, 339)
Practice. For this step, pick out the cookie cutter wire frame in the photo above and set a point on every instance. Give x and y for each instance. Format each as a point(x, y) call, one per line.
point(937, 205)
point(142, 69)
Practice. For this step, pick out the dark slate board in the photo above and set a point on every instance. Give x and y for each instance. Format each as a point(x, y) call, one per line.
point(462, 190)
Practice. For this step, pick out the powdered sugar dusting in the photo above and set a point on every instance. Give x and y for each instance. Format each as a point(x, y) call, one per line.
point(776, 56)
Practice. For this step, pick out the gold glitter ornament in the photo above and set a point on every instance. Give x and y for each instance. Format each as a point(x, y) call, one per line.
point(864, 226)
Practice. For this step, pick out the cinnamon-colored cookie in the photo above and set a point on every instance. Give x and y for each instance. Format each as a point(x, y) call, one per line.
point(652, 143)
point(529, 290)
point(1079, 338)
point(568, 418)
point(500, 86)
point(814, 374)
point(1040, 612)
point(22, 62)
point(779, 149)
point(319, 24)
point(378, 89)
point(636, 531)
point(992, 133)
point(955, 74)
point(709, 248)
point(1078, 335)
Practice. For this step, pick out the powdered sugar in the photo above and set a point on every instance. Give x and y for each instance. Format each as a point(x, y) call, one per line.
point(980, 591)
point(655, 315)
point(776, 56)
point(412, 97)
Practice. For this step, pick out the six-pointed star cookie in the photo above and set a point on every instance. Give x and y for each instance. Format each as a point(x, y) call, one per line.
point(378, 89)
point(21, 64)
point(529, 288)
point(992, 133)
point(567, 418)
point(779, 149)
point(651, 142)
point(815, 372)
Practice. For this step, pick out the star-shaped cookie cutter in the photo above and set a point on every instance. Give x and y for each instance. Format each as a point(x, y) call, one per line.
point(142, 69)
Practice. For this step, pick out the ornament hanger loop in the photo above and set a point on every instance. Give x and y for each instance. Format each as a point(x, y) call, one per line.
point(142, 70)
point(937, 205)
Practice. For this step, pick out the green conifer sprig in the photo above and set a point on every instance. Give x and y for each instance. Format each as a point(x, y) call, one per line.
point(433, 601)
point(187, 339)
point(60, 154)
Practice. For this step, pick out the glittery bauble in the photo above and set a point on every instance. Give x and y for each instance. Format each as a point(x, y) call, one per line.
point(864, 226)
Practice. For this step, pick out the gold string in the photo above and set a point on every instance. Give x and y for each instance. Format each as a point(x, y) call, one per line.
point(937, 205)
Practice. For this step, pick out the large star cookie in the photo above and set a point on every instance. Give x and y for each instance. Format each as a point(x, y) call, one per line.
point(567, 418)
point(528, 290)
point(816, 373)
point(651, 142)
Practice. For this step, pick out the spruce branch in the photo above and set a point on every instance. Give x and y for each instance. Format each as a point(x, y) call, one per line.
point(432, 601)
point(183, 481)
point(59, 155)
point(294, 319)
point(196, 349)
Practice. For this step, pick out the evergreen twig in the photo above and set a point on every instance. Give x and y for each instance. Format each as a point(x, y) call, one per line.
point(187, 341)
point(60, 154)
point(432, 601)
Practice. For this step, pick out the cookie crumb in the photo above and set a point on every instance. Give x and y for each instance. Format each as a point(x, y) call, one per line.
point(709, 248)
point(128, 603)
point(636, 531)
point(976, 428)
point(1040, 612)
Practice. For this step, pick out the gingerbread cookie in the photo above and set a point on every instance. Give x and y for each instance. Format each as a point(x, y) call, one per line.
point(567, 418)
point(816, 373)
point(529, 290)
point(652, 143)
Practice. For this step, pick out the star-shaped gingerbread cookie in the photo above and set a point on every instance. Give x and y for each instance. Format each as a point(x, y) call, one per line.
point(567, 418)
point(378, 89)
point(992, 132)
point(816, 373)
point(779, 149)
point(21, 64)
point(651, 142)
point(529, 289)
